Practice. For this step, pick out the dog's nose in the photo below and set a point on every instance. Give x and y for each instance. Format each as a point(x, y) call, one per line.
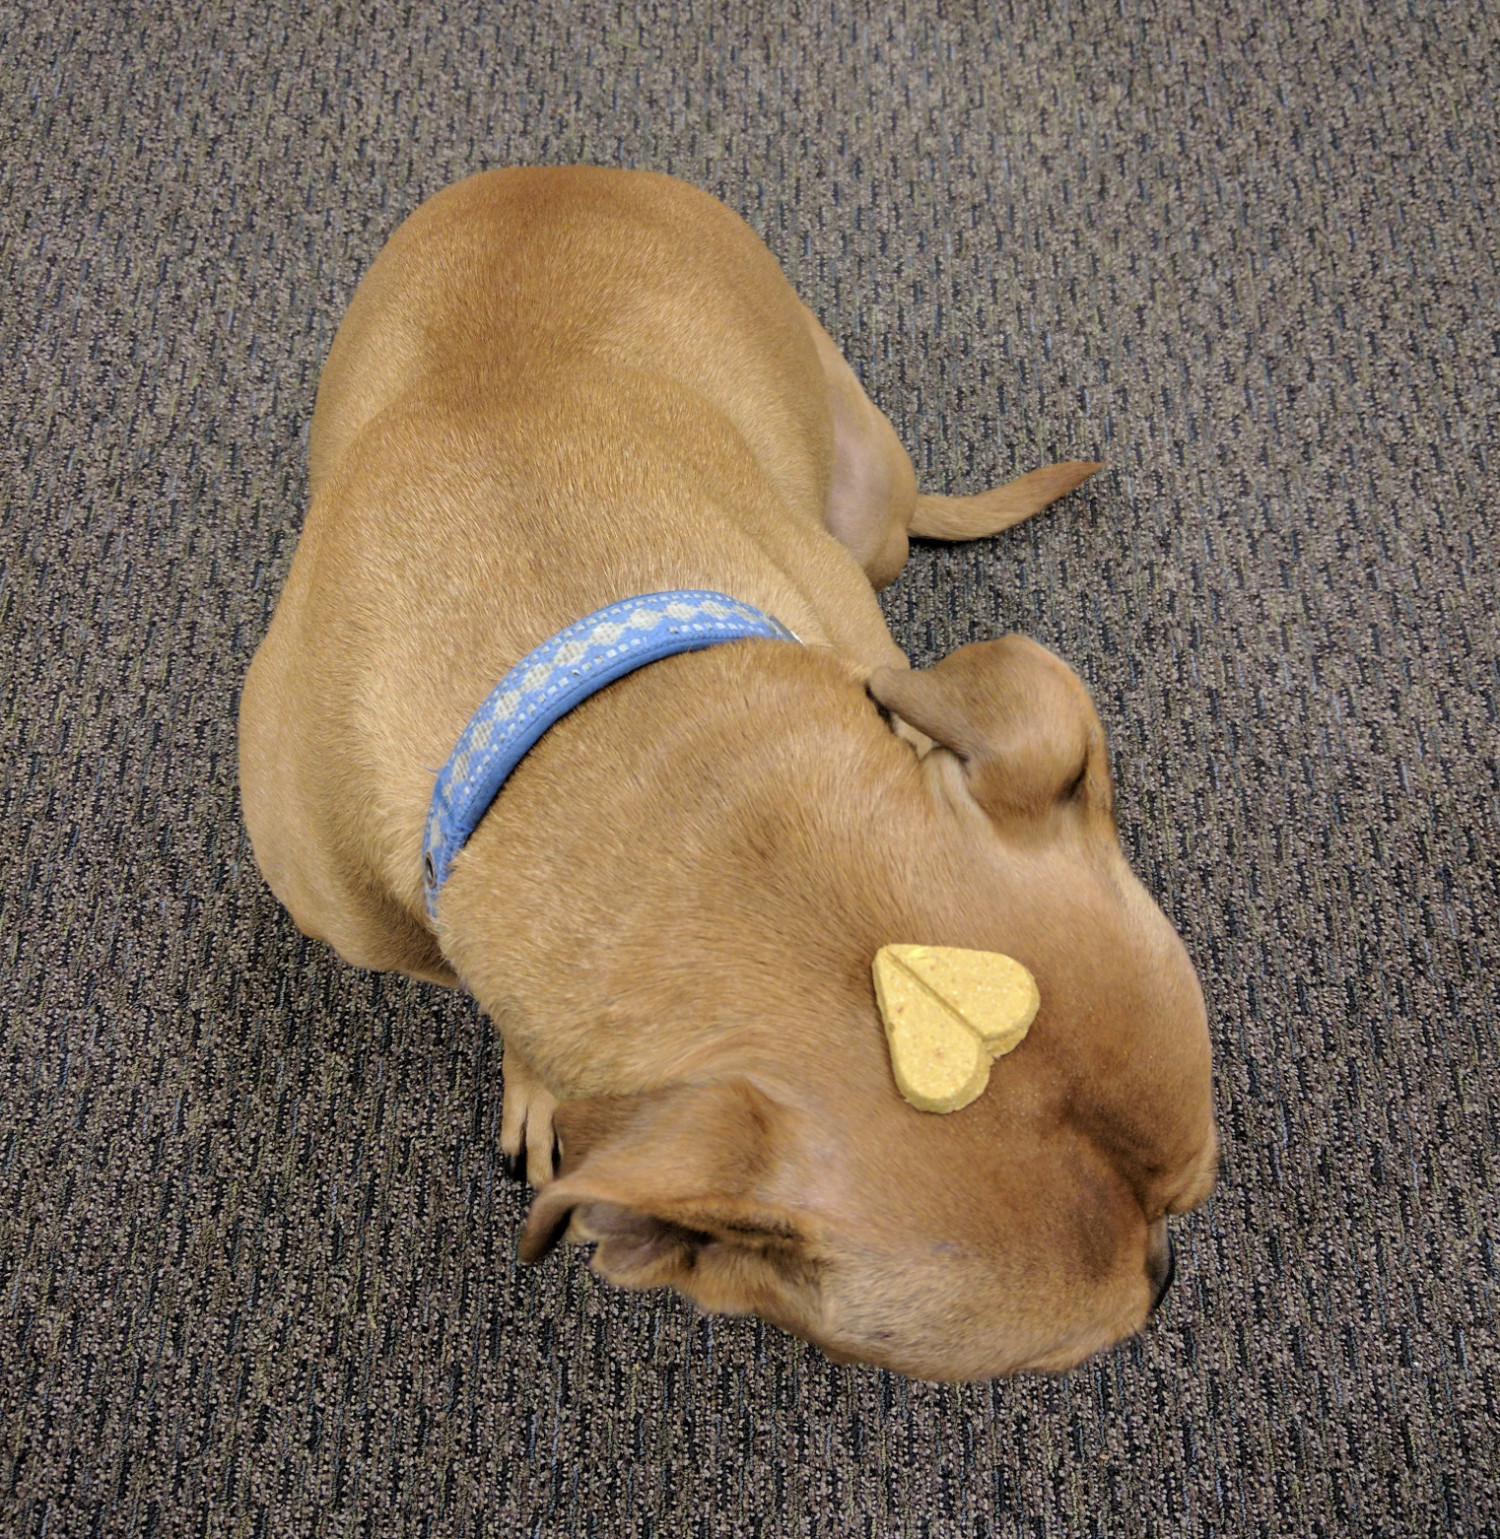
point(1161, 1263)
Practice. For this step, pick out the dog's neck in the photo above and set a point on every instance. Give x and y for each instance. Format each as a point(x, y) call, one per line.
point(554, 679)
point(758, 834)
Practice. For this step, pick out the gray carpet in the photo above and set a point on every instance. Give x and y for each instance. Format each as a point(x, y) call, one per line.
point(257, 1267)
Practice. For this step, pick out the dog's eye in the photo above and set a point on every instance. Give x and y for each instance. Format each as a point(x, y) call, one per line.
point(1074, 787)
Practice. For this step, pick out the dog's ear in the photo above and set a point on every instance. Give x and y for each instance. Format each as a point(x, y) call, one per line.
point(678, 1188)
point(1018, 719)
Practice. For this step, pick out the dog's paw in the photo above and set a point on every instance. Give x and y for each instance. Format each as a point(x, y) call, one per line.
point(527, 1138)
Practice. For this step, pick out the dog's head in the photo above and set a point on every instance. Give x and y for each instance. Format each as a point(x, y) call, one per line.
point(1026, 1230)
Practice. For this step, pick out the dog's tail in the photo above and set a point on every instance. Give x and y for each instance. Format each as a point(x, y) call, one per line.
point(970, 518)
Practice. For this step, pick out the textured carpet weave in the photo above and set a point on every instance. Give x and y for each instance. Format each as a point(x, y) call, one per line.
point(257, 1269)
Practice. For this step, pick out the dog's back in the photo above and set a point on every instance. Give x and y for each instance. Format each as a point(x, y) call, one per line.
point(554, 388)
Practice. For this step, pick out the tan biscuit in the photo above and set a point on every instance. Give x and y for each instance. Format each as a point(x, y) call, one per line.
point(947, 1013)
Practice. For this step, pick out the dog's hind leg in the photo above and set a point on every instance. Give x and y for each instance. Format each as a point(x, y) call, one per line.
point(873, 502)
point(873, 489)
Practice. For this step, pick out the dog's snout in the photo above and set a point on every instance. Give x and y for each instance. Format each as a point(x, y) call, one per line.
point(1161, 1262)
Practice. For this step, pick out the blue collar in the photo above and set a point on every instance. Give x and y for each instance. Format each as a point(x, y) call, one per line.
point(547, 683)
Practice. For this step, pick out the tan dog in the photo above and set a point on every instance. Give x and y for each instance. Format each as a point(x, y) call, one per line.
point(558, 388)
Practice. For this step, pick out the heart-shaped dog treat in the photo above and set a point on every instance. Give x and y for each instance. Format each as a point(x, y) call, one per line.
point(947, 1013)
